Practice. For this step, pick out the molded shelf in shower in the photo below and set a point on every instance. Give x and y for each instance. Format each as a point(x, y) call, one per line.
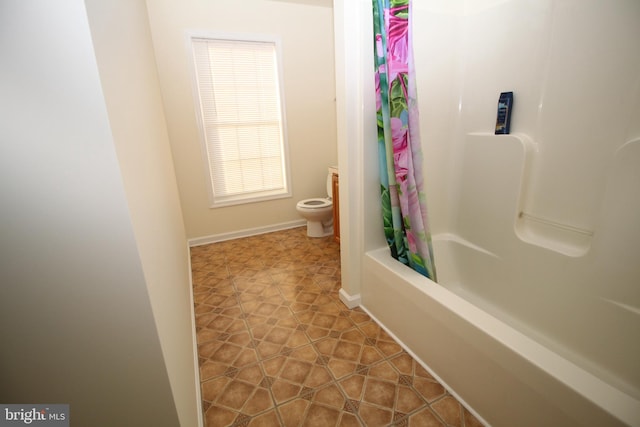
point(494, 184)
point(562, 238)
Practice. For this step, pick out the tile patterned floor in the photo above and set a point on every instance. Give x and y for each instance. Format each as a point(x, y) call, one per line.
point(277, 347)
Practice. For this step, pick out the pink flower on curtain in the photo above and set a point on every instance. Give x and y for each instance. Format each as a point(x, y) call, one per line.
point(411, 242)
point(414, 210)
point(401, 157)
point(398, 44)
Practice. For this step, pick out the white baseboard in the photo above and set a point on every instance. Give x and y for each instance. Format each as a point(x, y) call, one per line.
point(194, 338)
point(245, 233)
point(351, 301)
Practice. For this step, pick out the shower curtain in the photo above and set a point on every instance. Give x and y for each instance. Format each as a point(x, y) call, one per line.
point(403, 199)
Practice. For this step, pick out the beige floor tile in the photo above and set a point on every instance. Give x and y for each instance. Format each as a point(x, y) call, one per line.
point(276, 346)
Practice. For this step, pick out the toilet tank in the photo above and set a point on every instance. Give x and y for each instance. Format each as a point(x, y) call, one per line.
point(329, 185)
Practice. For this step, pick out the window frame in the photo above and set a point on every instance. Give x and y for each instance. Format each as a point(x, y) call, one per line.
point(243, 198)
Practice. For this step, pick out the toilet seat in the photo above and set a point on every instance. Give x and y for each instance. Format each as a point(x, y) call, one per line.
point(316, 203)
point(318, 212)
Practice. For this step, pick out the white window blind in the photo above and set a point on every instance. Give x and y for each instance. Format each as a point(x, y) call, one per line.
point(241, 118)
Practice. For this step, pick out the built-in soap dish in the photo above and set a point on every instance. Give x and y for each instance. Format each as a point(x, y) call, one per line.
point(562, 238)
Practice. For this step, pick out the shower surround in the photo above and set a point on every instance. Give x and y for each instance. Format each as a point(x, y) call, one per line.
point(536, 233)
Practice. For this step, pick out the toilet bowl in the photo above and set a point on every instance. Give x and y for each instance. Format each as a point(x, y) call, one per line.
point(319, 213)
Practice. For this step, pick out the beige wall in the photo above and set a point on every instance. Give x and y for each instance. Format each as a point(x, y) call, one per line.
point(306, 31)
point(122, 42)
point(77, 322)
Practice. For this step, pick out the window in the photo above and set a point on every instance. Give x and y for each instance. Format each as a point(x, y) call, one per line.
point(241, 118)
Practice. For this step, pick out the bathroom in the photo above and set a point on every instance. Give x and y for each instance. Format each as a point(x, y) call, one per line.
point(542, 204)
point(467, 53)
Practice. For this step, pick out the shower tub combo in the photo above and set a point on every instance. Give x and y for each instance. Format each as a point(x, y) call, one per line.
point(532, 322)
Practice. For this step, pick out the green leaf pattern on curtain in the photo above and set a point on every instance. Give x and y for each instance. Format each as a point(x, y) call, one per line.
point(400, 158)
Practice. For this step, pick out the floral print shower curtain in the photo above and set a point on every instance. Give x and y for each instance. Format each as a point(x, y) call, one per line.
point(403, 199)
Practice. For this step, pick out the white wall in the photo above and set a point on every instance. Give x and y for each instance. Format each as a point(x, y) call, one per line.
point(128, 74)
point(437, 34)
point(77, 324)
point(559, 217)
point(573, 66)
point(575, 95)
point(306, 30)
point(355, 92)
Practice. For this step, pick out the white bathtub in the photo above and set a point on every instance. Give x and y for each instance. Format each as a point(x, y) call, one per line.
point(505, 376)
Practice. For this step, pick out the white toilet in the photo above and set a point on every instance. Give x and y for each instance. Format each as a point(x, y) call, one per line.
point(318, 213)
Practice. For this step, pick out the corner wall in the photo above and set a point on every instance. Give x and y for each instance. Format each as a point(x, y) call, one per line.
point(128, 74)
point(77, 322)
